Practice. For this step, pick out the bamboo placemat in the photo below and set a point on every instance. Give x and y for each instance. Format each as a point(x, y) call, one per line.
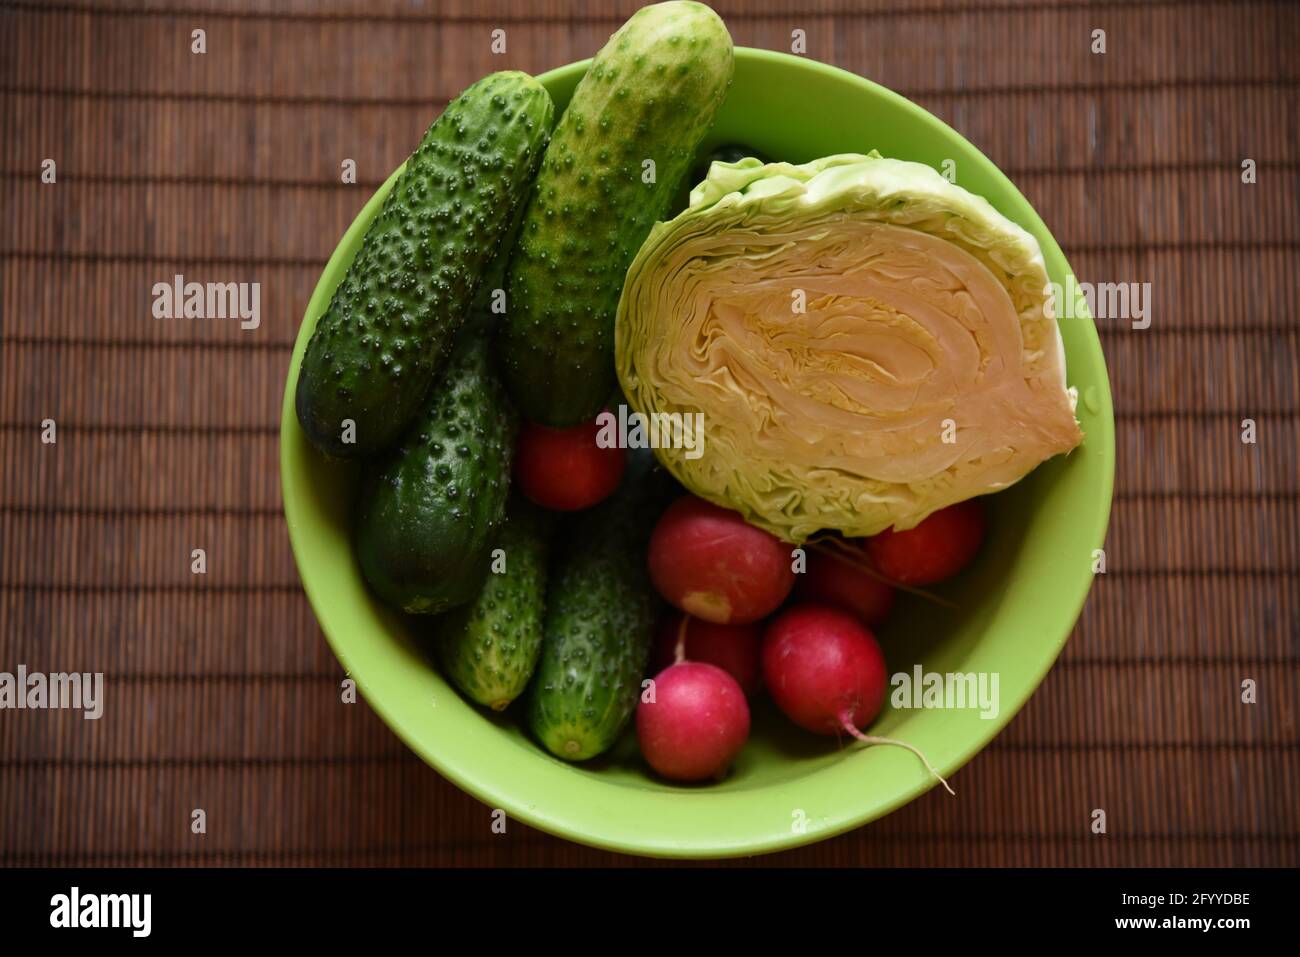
point(225, 166)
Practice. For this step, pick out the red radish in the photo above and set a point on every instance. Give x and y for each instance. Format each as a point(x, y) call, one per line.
point(733, 648)
point(845, 583)
point(709, 562)
point(695, 723)
point(564, 469)
point(939, 547)
point(826, 671)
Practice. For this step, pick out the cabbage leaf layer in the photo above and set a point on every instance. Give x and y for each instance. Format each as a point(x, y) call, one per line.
point(867, 342)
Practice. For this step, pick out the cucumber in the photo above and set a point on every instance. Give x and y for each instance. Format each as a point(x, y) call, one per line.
point(651, 93)
point(429, 511)
point(488, 647)
point(600, 614)
point(387, 331)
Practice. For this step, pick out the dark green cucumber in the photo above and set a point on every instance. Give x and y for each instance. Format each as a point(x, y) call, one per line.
point(600, 614)
point(392, 321)
point(429, 511)
point(488, 647)
point(650, 94)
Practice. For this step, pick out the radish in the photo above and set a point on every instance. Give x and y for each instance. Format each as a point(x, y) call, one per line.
point(564, 469)
point(733, 648)
point(939, 547)
point(826, 671)
point(844, 581)
point(695, 722)
point(709, 562)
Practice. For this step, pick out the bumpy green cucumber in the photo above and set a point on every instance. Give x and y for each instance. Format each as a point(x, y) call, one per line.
point(390, 325)
point(429, 511)
point(489, 646)
point(600, 613)
point(650, 96)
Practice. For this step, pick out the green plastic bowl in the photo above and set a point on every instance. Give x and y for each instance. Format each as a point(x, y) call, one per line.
point(1017, 605)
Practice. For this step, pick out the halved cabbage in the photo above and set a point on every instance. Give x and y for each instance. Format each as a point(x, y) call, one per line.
point(867, 343)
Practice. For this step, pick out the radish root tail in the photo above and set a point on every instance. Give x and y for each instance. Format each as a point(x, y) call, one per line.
point(679, 652)
point(854, 557)
point(873, 739)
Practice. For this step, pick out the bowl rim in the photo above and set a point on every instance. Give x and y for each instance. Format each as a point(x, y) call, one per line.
point(485, 787)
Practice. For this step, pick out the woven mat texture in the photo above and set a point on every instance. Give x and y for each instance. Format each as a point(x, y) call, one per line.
point(225, 166)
